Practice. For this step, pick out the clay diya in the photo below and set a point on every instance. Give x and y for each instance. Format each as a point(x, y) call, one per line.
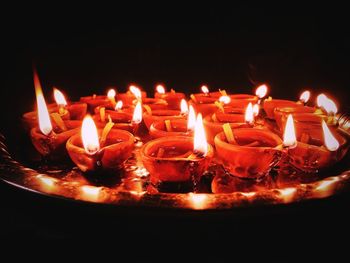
point(95, 101)
point(248, 152)
point(205, 103)
point(152, 116)
point(312, 154)
point(177, 159)
point(155, 104)
point(306, 112)
point(242, 100)
point(173, 98)
point(96, 150)
point(129, 97)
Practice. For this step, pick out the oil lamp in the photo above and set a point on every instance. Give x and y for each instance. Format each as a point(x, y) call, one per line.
point(313, 154)
point(155, 104)
point(172, 98)
point(178, 159)
point(74, 110)
point(261, 92)
point(111, 96)
point(305, 97)
point(131, 96)
point(329, 107)
point(94, 150)
point(248, 152)
point(49, 138)
point(98, 100)
point(152, 116)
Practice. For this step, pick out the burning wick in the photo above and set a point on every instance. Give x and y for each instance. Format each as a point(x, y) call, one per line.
point(160, 89)
point(191, 119)
point(90, 136)
point(261, 92)
point(205, 90)
point(184, 107)
point(111, 95)
point(304, 97)
point(136, 91)
point(200, 145)
point(137, 116)
point(249, 114)
point(225, 99)
point(289, 138)
point(330, 141)
point(256, 110)
point(60, 101)
point(329, 106)
point(119, 105)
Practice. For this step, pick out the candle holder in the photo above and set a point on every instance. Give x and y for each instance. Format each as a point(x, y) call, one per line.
point(95, 101)
point(281, 114)
point(116, 150)
point(53, 145)
point(155, 104)
point(128, 97)
point(312, 156)
point(172, 98)
point(271, 104)
point(256, 151)
point(121, 120)
point(178, 127)
point(242, 100)
point(204, 104)
point(171, 159)
point(161, 115)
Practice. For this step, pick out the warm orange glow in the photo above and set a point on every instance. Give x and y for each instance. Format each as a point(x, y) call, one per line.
point(90, 193)
point(205, 89)
point(191, 121)
point(47, 184)
point(45, 125)
point(136, 91)
point(225, 99)
point(261, 91)
point(59, 97)
point(305, 96)
point(326, 187)
point(119, 105)
point(327, 104)
point(160, 89)
point(330, 141)
point(90, 136)
point(287, 194)
point(249, 115)
point(256, 109)
point(198, 201)
point(111, 94)
point(200, 144)
point(289, 138)
point(137, 116)
point(184, 106)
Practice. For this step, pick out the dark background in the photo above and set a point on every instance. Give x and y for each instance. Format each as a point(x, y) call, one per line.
point(233, 48)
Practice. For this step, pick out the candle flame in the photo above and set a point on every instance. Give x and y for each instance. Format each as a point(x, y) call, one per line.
point(160, 89)
point(330, 141)
point(205, 89)
point(45, 125)
point(191, 121)
point(305, 96)
point(90, 136)
point(59, 97)
point(111, 94)
point(225, 99)
point(289, 137)
point(136, 91)
point(137, 116)
point(184, 106)
point(261, 91)
point(327, 104)
point(256, 109)
point(249, 114)
point(200, 144)
point(119, 105)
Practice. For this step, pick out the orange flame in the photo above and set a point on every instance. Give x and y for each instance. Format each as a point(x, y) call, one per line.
point(191, 121)
point(199, 142)
point(137, 116)
point(205, 89)
point(330, 141)
point(45, 125)
point(249, 114)
point(305, 96)
point(136, 91)
point(119, 105)
point(59, 97)
point(256, 109)
point(111, 94)
point(160, 89)
point(225, 99)
point(289, 138)
point(90, 136)
point(184, 106)
point(261, 91)
point(327, 104)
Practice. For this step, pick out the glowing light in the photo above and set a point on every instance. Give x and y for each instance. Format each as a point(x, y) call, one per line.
point(205, 89)
point(225, 99)
point(90, 136)
point(137, 116)
point(184, 107)
point(261, 91)
point(45, 125)
point(198, 201)
point(289, 138)
point(256, 110)
point(327, 104)
point(191, 121)
point(90, 193)
point(287, 194)
point(119, 105)
point(136, 91)
point(305, 96)
point(111, 94)
point(200, 144)
point(249, 114)
point(160, 89)
point(59, 97)
point(330, 141)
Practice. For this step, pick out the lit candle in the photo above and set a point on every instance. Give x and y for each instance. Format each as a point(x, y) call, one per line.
point(304, 97)
point(172, 98)
point(249, 114)
point(184, 107)
point(261, 92)
point(111, 96)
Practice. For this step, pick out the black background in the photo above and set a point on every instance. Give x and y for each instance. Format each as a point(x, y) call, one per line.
point(234, 48)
